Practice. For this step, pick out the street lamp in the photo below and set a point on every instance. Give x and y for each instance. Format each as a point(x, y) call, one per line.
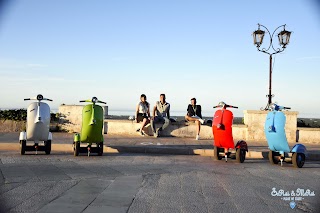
point(283, 37)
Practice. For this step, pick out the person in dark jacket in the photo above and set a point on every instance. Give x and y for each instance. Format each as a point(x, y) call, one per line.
point(194, 115)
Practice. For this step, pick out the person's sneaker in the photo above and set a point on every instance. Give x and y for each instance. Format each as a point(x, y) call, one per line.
point(158, 132)
point(197, 137)
point(141, 133)
point(155, 135)
point(201, 121)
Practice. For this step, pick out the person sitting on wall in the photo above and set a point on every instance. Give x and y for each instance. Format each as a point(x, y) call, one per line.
point(194, 115)
point(161, 114)
point(143, 113)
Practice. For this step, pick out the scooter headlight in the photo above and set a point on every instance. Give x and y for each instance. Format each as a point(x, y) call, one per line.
point(221, 104)
point(94, 99)
point(39, 97)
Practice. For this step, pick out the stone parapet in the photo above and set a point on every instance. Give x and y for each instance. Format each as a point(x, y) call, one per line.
point(255, 120)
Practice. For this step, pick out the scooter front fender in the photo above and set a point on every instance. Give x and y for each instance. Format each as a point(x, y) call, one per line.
point(50, 136)
point(299, 148)
point(76, 137)
point(242, 145)
point(23, 136)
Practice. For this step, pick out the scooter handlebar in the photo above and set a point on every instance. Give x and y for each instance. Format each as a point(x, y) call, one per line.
point(232, 106)
point(92, 101)
point(227, 106)
point(35, 99)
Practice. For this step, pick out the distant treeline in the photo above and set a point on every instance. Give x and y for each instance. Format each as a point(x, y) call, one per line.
point(20, 115)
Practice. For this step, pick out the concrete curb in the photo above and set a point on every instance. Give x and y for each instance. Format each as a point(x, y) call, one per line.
point(67, 148)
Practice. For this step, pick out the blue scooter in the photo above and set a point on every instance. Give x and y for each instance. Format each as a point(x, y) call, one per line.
point(279, 149)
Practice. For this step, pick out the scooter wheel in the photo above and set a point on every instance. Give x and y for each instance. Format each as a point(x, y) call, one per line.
point(100, 148)
point(298, 159)
point(48, 147)
point(272, 158)
point(216, 153)
point(76, 149)
point(240, 155)
point(23, 145)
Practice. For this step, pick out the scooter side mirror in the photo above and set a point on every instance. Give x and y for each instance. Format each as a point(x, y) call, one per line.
point(27, 99)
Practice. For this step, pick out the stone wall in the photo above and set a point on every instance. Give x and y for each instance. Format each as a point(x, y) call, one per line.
point(255, 120)
point(310, 135)
point(253, 129)
point(70, 117)
point(176, 129)
point(12, 126)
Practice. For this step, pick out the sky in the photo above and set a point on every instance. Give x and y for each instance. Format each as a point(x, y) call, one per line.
point(116, 50)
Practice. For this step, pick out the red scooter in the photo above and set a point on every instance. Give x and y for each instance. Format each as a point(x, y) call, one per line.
point(222, 133)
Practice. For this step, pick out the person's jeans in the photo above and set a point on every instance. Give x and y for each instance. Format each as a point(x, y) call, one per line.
point(163, 120)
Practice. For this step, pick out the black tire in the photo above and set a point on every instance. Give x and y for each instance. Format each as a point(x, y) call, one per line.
point(23, 145)
point(298, 159)
point(240, 155)
point(48, 147)
point(76, 149)
point(216, 153)
point(100, 149)
point(272, 158)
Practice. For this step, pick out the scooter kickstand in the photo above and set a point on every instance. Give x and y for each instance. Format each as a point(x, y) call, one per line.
point(226, 158)
point(281, 160)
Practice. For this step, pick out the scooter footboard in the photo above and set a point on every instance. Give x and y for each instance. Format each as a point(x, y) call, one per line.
point(33, 148)
point(299, 148)
point(84, 149)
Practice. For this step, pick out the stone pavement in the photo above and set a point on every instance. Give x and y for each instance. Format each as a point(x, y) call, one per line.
point(151, 145)
point(149, 183)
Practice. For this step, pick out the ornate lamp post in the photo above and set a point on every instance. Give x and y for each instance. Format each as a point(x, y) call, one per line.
point(283, 37)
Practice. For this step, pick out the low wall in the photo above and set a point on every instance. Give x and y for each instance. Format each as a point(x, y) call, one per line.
point(310, 135)
point(12, 126)
point(176, 129)
point(20, 126)
point(70, 117)
point(255, 120)
point(252, 130)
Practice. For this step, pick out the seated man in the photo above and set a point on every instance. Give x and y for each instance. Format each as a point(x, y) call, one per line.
point(161, 114)
point(194, 114)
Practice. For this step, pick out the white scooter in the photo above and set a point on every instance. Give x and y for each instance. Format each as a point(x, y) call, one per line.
point(38, 126)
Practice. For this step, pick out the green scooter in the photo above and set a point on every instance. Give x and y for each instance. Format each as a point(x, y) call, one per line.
point(91, 129)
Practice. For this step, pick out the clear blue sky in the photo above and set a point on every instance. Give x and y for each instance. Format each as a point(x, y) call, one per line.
point(116, 50)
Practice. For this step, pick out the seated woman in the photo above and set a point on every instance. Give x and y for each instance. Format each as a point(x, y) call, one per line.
point(143, 113)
